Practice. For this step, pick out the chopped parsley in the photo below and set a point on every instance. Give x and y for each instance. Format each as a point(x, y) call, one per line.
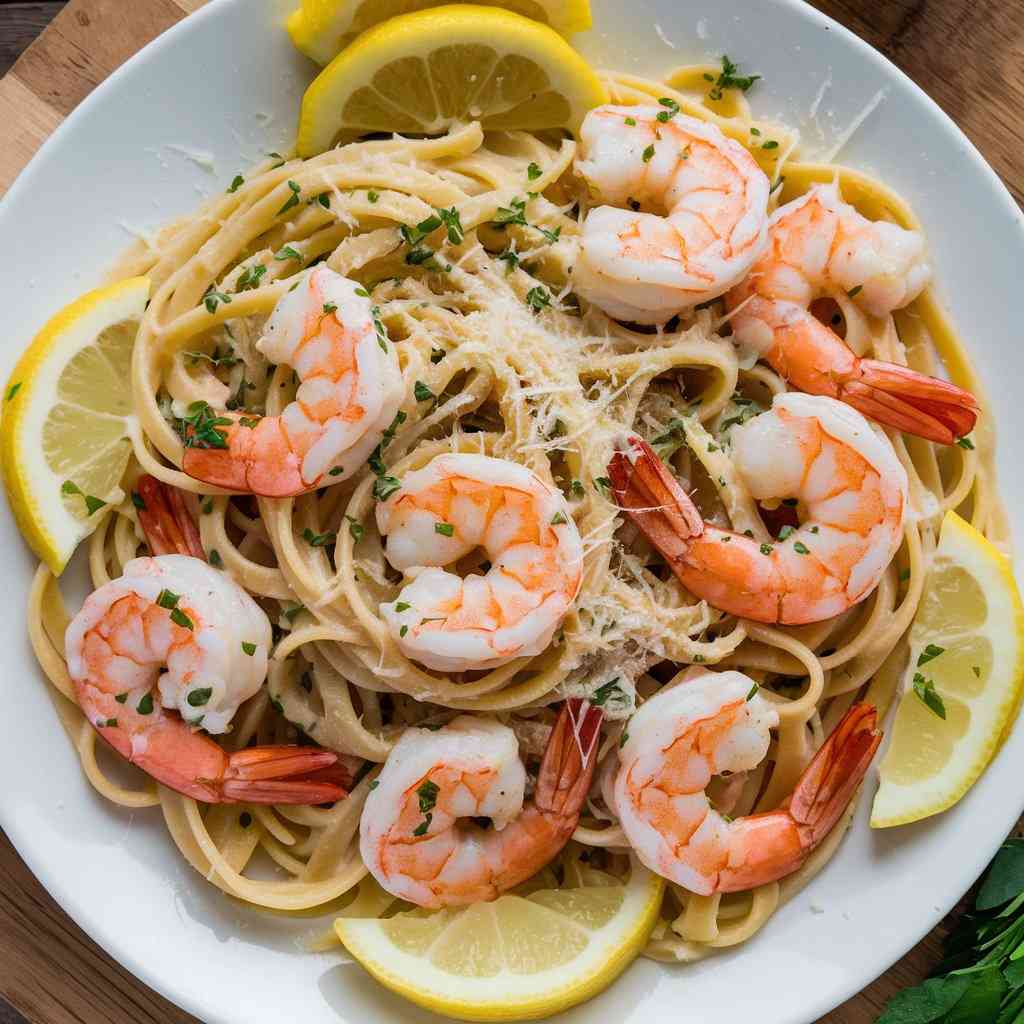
point(288, 252)
point(292, 200)
point(753, 691)
point(236, 183)
point(355, 529)
point(13, 390)
point(770, 144)
point(673, 109)
point(729, 79)
point(198, 698)
point(965, 442)
point(930, 653)
point(199, 427)
point(179, 618)
point(558, 519)
point(445, 529)
point(533, 172)
point(605, 692)
point(427, 792)
point(385, 486)
point(766, 549)
point(855, 291)
point(511, 258)
point(215, 560)
point(515, 213)
point(537, 298)
point(145, 706)
point(421, 392)
point(786, 532)
point(250, 277)
point(648, 153)
point(168, 599)
point(317, 540)
point(631, 121)
point(372, 195)
point(248, 648)
point(452, 224)
point(925, 689)
point(92, 503)
point(801, 549)
point(212, 298)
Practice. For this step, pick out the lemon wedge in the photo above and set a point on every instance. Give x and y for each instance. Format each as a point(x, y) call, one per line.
point(963, 682)
point(427, 71)
point(63, 436)
point(528, 954)
point(321, 29)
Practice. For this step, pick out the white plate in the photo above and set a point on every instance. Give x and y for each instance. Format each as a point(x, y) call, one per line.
point(225, 85)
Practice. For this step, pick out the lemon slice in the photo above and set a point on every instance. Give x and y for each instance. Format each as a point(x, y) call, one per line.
point(321, 29)
point(528, 954)
point(427, 71)
point(63, 436)
point(965, 647)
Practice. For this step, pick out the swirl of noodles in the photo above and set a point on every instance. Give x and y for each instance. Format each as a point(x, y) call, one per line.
point(514, 369)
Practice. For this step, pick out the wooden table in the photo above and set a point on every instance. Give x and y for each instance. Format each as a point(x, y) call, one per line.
point(967, 54)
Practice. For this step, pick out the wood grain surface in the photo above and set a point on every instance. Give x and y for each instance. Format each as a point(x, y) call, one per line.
point(966, 54)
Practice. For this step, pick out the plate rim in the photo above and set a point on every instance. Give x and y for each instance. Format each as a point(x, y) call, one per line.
point(64, 894)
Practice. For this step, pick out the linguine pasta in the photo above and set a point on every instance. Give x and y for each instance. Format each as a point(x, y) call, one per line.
point(498, 358)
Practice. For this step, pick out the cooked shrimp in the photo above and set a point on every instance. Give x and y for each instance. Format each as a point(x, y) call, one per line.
point(698, 210)
point(717, 722)
point(174, 644)
point(445, 511)
point(351, 387)
point(852, 494)
point(414, 834)
point(818, 246)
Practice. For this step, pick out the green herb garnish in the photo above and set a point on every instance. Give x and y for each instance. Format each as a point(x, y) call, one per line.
point(729, 79)
point(199, 697)
point(248, 648)
point(930, 652)
point(292, 200)
point(92, 503)
point(445, 529)
point(925, 689)
point(179, 618)
point(537, 298)
point(515, 213)
point(317, 540)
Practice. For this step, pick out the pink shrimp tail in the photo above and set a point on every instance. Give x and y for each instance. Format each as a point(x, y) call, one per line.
point(776, 843)
point(284, 774)
point(192, 764)
point(836, 770)
point(644, 487)
point(568, 765)
point(166, 522)
point(910, 401)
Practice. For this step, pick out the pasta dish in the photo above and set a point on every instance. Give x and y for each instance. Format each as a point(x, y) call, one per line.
point(500, 509)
